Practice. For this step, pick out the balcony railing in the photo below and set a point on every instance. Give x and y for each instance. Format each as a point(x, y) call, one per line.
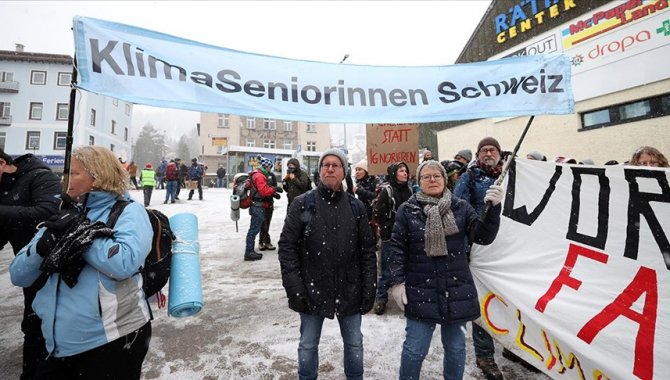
point(9, 86)
point(5, 120)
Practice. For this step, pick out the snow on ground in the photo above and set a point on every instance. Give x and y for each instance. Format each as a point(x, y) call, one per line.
point(245, 329)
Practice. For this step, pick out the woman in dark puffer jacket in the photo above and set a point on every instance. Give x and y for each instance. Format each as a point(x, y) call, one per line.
point(430, 277)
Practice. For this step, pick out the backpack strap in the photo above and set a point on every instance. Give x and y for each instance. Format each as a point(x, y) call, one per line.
point(116, 211)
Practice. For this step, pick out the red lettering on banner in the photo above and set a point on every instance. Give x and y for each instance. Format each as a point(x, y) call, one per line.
point(395, 135)
point(645, 282)
point(564, 278)
point(619, 46)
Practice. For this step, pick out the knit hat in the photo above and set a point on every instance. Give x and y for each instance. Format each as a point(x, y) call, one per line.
point(363, 164)
point(537, 156)
point(489, 141)
point(337, 153)
point(465, 153)
point(294, 161)
point(453, 167)
point(266, 163)
point(148, 165)
point(587, 161)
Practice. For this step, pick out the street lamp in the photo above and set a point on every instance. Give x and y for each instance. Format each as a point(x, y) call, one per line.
point(344, 125)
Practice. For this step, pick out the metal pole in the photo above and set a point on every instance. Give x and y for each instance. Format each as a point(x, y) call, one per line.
point(70, 127)
point(508, 163)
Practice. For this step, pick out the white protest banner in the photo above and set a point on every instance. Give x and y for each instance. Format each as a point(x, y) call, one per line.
point(577, 281)
point(148, 67)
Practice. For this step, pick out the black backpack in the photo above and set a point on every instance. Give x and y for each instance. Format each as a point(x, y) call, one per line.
point(156, 268)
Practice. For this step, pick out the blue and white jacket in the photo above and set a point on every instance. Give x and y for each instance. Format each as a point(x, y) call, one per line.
point(108, 301)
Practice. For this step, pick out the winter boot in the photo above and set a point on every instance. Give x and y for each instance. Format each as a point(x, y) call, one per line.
point(380, 307)
point(262, 247)
point(489, 368)
point(270, 247)
point(252, 256)
point(511, 356)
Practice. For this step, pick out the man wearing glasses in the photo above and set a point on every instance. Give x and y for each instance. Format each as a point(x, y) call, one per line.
point(328, 266)
point(472, 187)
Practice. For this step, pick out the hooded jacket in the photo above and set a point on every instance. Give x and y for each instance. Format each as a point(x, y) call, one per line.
point(328, 256)
point(366, 191)
point(28, 197)
point(107, 302)
point(298, 184)
point(439, 289)
point(401, 193)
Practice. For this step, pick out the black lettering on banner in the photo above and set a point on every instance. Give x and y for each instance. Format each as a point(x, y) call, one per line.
point(600, 239)
point(638, 204)
point(521, 214)
point(97, 57)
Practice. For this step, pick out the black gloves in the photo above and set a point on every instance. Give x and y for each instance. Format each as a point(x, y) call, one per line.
point(298, 304)
point(279, 189)
point(58, 224)
point(367, 304)
point(47, 242)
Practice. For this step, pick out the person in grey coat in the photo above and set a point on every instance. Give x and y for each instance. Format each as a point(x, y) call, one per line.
point(328, 266)
point(430, 275)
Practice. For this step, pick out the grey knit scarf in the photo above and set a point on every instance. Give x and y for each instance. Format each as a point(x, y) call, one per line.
point(440, 222)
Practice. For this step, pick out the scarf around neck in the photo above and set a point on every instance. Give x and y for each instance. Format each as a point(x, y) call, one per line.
point(440, 222)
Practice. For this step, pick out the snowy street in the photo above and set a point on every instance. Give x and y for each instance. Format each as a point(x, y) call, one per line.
point(245, 329)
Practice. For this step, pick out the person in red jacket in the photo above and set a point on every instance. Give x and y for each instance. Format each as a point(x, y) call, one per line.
point(172, 180)
point(261, 195)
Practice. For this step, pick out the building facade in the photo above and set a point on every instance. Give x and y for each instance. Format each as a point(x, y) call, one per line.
point(620, 83)
point(235, 141)
point(34, 109)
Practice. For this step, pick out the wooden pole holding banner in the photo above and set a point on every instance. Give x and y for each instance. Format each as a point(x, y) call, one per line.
point(70, 128)
point(508, 163)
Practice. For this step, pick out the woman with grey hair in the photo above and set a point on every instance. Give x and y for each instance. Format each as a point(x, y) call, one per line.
point(430, 277)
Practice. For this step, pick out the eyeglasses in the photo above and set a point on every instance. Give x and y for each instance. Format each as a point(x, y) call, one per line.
point(331, 166)
point(487, 150)
point(434, 177)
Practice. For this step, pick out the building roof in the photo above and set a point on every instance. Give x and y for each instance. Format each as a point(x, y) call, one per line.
point(10, 55)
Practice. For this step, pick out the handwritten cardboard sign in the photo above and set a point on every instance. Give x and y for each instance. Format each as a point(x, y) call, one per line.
point(389, 143)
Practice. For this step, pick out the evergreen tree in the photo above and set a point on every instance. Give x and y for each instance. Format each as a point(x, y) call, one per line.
point(183, 151)
point(149, 147)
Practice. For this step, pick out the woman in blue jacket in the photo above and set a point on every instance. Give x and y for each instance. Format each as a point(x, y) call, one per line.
point(430, 277)
point(95, 319)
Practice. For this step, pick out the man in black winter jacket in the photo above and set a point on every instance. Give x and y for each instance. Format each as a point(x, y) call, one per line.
point(328, 265)
point(29, 194)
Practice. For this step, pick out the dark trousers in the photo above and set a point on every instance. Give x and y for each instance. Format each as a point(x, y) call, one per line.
point(264, 237)
point(133, 181)
point(482, 341)
point(34, 347)
point(119, 359)
point(190, 193)
point(148, 190)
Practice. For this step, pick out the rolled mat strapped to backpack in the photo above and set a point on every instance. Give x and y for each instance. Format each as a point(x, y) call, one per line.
point(185, 296)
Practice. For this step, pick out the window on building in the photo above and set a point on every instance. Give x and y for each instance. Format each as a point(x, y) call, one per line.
point(3, 139)
point(91, 140)
point(288, 126)
point(224, 120)
point(111, 147)
point(113, 127)
point(251, 143)
point(62, 111)
point(311, 146)
point(269, 124)
point(64, 79)
point(127, 109)
point(115, 102)
point(60, 140)
point(35, 111)
point(251, 123)
point(288, 145)
point(92, 117)
point(38, 77)
point(125, 134)
point(6, 76)
point(311, 128)
point(32, 140)
point(648, 108)
point(269, 144)
point(5, 109)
